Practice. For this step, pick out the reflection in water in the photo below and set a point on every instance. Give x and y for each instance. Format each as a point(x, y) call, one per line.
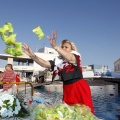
point(106, 101)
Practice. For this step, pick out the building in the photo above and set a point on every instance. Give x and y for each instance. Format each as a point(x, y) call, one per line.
point(117, 65)
point(87, 68)
point(48, 51)
point(100, 70)
point(25, 65)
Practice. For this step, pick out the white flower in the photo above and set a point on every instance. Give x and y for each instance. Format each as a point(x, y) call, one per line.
point(1, 102)
point(10, 109)
point(17, 108)
point(5, 97)
point(10, 113)
point(16, 111)
point(17, 101)
point(3, 112)
point(11, 100)
point(7, 106)
point(4, 115)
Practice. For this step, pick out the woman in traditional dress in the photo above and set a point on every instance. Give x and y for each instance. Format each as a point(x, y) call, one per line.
point(66, 67)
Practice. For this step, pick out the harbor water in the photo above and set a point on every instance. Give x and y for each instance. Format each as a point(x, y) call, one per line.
point(105, 97)
point(106, 101)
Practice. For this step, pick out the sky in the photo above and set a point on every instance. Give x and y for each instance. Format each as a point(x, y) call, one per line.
point(93, 25)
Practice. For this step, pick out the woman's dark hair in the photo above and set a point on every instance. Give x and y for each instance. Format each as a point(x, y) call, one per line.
point(9, 65)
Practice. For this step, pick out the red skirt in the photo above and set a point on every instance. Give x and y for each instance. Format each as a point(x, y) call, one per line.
point(78, 93)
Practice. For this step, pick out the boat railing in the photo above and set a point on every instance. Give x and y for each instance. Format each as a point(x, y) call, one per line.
point(20, 83)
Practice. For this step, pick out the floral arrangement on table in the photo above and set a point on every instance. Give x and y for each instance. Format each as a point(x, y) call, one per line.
point(10, 106)
point(63, 111)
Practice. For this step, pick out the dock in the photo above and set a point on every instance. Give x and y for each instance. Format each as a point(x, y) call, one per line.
point(109, 79)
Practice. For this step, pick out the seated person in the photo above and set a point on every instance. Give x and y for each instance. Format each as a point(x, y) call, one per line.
point(1, 86)
point(8, 76)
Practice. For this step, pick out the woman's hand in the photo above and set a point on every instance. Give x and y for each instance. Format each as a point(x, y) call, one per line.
point(27, 50)
point(53, 39)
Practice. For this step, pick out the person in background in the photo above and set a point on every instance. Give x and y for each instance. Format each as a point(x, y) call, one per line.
point(17, 77)
point(1, 86)
point(66, 67)
point(8, 76)
point(17, 80)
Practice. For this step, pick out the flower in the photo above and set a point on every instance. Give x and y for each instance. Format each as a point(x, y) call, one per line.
point(9, 105)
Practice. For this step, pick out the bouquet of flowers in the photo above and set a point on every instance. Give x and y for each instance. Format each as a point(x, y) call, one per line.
point(9, 105)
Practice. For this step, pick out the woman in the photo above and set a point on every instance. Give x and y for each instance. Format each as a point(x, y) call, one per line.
point(1, 86)
point(8, 76)
point(17, 77)
point(66, 67)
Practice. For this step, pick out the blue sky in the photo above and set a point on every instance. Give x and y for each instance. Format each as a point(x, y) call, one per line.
point(93, 25)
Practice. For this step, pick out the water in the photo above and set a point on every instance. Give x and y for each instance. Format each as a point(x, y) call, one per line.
point(106, 101)
point(105, 98)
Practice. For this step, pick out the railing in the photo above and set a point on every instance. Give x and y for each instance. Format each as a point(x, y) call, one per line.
point(20, 83)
